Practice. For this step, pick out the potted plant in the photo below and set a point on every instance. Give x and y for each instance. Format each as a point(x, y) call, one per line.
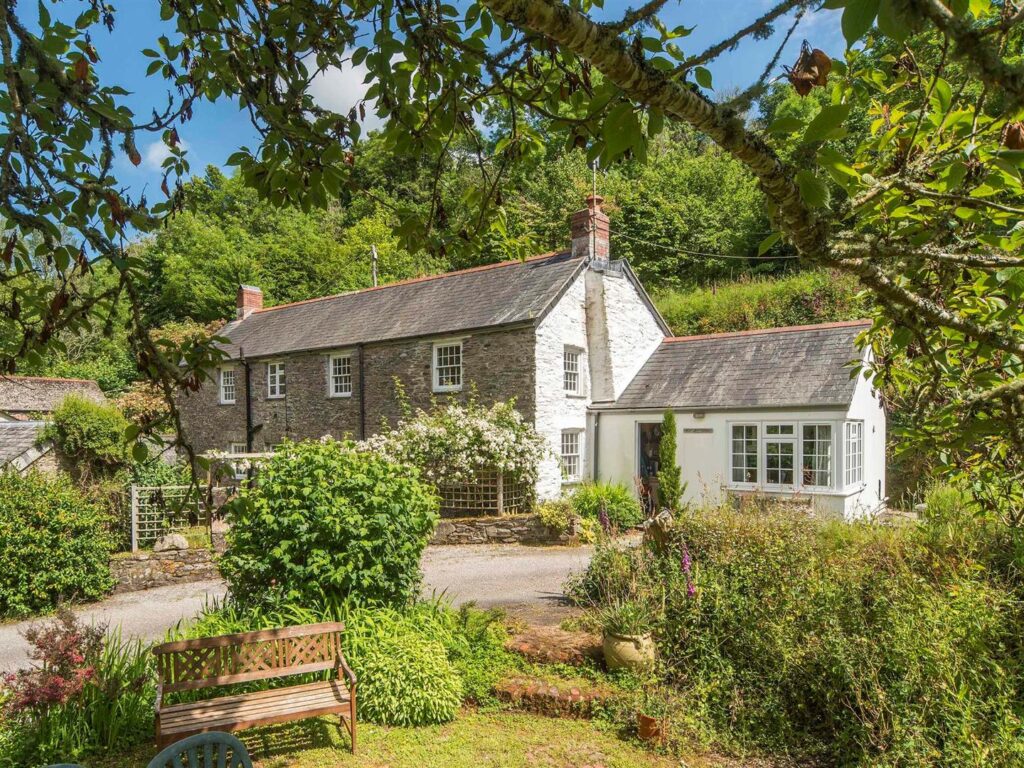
point(652, 717)
point(628, 643)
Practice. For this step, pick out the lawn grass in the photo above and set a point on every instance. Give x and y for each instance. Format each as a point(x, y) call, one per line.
point(474, 740)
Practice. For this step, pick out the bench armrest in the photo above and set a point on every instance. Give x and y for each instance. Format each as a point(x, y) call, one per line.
point(342, 665)
point(159, 696)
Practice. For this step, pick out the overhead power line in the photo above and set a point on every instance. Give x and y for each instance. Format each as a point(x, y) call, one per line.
point(674, 249)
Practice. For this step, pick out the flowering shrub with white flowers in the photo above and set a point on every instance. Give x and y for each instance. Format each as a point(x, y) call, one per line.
point(453, 443)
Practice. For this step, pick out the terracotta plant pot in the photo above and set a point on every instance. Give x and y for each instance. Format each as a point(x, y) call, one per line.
point(628, 651)
point(650, 728)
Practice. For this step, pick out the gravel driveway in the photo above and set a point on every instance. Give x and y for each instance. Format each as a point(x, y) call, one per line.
point(526, 581)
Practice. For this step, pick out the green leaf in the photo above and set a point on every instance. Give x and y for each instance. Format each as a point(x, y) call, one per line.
point(828, 123)
point(139, 452)
point(787, 124)
point(813, 190)
point(857, 19)
point(891, 23)
point(768, 242)
point(621, 129)
point(703, 77)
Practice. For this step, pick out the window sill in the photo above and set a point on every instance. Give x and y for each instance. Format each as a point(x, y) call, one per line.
point(340, 397)
point(227, 402)
point(575, 396)
point(276, 397)
point(803, 491)
point(446, 390)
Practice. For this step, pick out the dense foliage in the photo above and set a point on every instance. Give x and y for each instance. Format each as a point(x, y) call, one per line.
point(862, 644)
point(55, 544)
point(324, 521)
point(91, 435)
point(613, 500)
point(453, 443)
point(91, 692)
point(800, 298)
point(670, 483)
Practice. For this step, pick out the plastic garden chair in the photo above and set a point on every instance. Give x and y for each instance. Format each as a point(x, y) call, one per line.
point(204, 750)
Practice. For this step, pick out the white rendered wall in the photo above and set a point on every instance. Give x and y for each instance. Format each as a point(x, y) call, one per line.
point(703, 445)
point(565, 324)
point(606, 317)
point(867, 406)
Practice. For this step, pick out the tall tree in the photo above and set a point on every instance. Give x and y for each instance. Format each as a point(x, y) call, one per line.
point(670, 486)
point(927, 217)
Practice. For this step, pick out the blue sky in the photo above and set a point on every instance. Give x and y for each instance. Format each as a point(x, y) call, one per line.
point(217, 130)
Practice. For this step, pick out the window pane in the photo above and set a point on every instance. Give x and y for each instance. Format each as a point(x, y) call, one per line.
point(448, 366)
point(570, 455)
point(854, 453)
point(779, 462)
point(571, 370)
point(341, 375)
point(817, 455)
point(744, 453)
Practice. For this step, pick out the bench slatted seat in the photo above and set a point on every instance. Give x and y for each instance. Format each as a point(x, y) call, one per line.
point(211, 662)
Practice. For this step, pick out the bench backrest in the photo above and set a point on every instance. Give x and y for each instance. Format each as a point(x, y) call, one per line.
point(204, 662)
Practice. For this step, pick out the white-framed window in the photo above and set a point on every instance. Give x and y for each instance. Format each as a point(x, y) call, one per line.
point(854, 452)
point(239, 470)
point(571, 381)
point(744, 454)
point(817, 455)
point(339, 376)
point(780, 455)
point(447, 367)
point(570, 454)
point(227, 386)
point(275, 380)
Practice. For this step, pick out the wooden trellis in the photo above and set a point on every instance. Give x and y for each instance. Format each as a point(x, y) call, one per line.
point(161, 509)
point(491, 493)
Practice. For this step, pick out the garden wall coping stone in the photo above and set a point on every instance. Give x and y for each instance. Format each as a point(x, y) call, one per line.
point(507, 529)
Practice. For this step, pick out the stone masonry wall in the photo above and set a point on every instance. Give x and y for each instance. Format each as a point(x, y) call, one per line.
point(497, 365)
point(145, 570)
point(512, 529)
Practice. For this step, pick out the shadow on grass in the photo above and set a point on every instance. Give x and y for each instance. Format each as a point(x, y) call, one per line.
point(278, 745)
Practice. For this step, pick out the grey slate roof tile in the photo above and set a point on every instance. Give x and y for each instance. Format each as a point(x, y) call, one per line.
point(776, 368)
point(16, 437)
point(500, 294)
point(32, 394)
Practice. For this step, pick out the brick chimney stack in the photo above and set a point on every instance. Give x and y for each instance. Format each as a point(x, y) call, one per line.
point(250, 298)
point(590, 232)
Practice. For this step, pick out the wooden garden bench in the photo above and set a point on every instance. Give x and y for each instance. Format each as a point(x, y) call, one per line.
point(210, 662)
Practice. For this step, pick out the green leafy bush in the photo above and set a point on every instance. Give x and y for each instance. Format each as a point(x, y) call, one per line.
point(324, 523)
point(862, 644)
point(91, 434)
point(405, 679)
point(91, 692)
point(624, 511)
point(556, 514)
point(625, 617)
point(55, 544)
point(803, 298)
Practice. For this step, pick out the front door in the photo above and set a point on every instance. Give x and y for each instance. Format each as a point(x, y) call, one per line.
point(648, 443)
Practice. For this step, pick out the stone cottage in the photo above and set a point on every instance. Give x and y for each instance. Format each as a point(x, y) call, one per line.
point(566, 334)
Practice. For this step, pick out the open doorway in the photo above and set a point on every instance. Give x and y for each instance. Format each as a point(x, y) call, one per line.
point(648, 464)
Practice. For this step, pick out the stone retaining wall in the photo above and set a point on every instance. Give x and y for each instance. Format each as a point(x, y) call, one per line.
point(145, 570)
point(510, 529)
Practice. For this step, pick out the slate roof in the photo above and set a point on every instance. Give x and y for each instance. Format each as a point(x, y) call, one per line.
point(39, 394)
point(497, 294)
point(799, 366)
point(17, 438)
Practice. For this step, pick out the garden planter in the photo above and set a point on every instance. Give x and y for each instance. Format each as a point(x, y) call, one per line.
point(650, 729)
point(628, 651)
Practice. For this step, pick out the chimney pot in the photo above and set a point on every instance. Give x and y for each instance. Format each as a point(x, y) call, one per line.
point(250, 298)
point(590, 231)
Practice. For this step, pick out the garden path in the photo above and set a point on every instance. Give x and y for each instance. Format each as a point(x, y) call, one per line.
point(525, 581)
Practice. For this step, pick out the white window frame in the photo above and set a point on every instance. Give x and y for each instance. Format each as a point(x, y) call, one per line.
point(336, 381)
point(238, 472)
point(782, 433)
point(853, 448)
point(435, 367)
point(277, 382)
point(577, 435)
point(572, 356)
point(731, 454)
point(221, 389)
point(831, 455)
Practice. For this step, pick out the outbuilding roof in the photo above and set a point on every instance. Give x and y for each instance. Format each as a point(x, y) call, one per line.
point(798, 366)
point(41, 394)
point(18, 440)
point(497, 294)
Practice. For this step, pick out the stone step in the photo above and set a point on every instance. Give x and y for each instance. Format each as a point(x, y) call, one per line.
point(554, 645)
point(552, 698)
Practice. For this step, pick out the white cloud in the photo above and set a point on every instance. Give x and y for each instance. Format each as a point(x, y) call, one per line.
point(156, 152)
point(340, 89)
